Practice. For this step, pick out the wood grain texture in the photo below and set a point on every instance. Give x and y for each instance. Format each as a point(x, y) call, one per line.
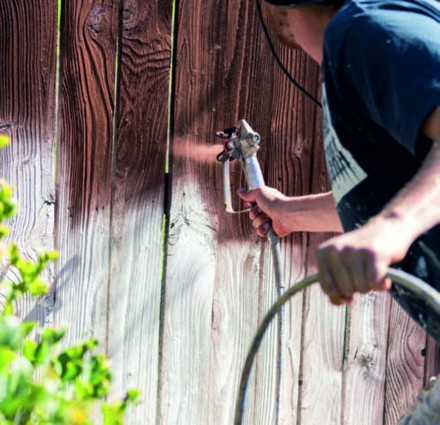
point(321, 361)
point(432, 362)
point(405, 364)
point(220, 75)
point(138, 202)
point(28, 38)
point(365, 363)
point(84, 163)
point(299, 149)
point(207, 333)
point(322, 354)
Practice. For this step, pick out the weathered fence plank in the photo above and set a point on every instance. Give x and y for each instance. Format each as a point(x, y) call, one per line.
point(84, 161)
point(405, 364)
point(192, 240)
point(299, 148)
point(432, 363)
point(138, 202)
point(366, 360)
point(28, 39)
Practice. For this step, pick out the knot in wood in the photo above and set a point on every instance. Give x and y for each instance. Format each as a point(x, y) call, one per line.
point(98, 19)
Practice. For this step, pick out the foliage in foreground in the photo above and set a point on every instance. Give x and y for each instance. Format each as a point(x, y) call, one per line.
point(40, 383)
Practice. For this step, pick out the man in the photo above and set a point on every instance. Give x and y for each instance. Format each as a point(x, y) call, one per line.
point(381, 109)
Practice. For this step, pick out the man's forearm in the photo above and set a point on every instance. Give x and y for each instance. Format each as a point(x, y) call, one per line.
point(416, 208)
point(312, 213)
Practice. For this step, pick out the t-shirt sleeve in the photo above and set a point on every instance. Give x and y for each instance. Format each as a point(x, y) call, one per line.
point(391, 67)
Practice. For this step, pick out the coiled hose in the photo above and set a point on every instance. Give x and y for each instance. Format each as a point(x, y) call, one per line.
point(405, 280)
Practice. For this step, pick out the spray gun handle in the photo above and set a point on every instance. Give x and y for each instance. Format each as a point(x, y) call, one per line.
point(254, 179)
point(252, 171)
point(240, 142)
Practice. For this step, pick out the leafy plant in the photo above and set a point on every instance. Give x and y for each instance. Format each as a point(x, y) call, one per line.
point(40, 383)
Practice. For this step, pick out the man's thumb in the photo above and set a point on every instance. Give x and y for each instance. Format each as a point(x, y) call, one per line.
point(247, 195)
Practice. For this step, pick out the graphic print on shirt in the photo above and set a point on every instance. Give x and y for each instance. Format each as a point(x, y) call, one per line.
point(344, 172)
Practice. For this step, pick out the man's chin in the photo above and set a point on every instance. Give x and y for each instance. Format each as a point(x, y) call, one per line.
point(288, 42)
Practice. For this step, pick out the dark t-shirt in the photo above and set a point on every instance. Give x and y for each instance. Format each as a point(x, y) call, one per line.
point(381, 71)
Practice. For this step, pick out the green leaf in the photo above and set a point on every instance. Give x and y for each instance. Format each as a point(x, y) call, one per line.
point(42, 353)
point(4, 140)
point(113, 413)
point(29, 350)
point(133, 395)
point(27, 327)
point(53, 336)
point(11, 334)
point(38, 287)
point(4, 231)
point(6, 357)
point(14, 254)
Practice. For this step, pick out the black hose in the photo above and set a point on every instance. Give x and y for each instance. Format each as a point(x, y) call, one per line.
point(405, 280)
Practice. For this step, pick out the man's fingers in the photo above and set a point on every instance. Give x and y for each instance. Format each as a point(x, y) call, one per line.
point(258, 218)
point(247, 195)
point(376, 274)
point(263, 229)
point(260, 221)
point(347, 271)
point(356, 268)
point(335, 280)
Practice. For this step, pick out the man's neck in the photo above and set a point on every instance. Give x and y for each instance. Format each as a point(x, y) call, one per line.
point(304, 27)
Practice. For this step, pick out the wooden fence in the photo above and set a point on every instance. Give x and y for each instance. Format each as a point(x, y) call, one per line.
point(112, 107)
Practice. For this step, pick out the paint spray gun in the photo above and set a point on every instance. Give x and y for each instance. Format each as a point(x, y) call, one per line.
point(242, 142)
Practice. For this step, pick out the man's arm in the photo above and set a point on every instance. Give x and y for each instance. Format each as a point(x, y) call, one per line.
point(357, 261)
point(311, 213)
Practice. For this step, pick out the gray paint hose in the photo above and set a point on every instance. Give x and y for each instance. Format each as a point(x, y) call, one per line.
point(427, 413)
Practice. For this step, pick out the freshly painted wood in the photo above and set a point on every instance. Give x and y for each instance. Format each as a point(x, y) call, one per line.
point(405, 364)
point(138, 203)
point(84, 165)
point(28, 37)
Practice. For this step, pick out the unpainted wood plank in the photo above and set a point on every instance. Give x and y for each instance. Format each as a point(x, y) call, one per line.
point(294, 253)
point(84, 165)
point(405, 364)
point(235, 309)
point(322, 353)
point(28, 38)
point(138, 203)
point(366, 360)
point(188, 307)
